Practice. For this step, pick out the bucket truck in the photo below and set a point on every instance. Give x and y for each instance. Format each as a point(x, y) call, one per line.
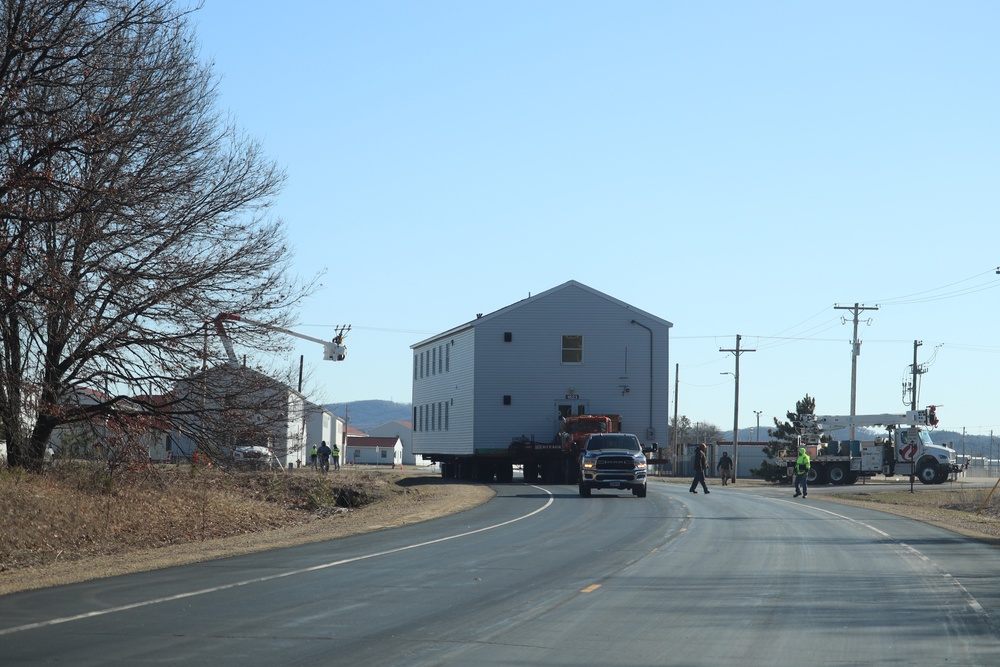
point(907, 450)
point(333, 350)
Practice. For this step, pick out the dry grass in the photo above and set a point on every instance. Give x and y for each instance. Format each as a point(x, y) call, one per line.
point(78, 511)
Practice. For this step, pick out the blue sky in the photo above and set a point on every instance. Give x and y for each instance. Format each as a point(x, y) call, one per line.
point(732, 167)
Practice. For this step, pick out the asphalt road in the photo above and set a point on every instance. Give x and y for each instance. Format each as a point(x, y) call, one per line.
point(540, 576)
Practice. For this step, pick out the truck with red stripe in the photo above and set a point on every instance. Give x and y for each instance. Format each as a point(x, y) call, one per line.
point(907, 449)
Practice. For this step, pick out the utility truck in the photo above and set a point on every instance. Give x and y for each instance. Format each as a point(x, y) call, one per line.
point(906, 450)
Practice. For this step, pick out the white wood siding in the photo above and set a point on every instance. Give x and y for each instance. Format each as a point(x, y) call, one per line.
point(625, 371)
point(443, 395)
point(529, 369)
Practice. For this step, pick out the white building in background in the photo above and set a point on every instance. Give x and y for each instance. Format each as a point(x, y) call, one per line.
point(404, 431)
point(321, 425)
point(369, 450)
point(565, 351)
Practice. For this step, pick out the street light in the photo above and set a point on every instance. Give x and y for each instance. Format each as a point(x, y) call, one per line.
point(757, 412)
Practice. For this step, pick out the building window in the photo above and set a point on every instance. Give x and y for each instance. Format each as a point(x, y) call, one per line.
point(446, 412)
point(506, 399)
point(572, 349)
point(415, 366)
point(508, 336)
point(447, 358)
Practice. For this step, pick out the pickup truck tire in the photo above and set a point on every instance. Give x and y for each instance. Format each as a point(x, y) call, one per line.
point(584, 491)
point(639, 491)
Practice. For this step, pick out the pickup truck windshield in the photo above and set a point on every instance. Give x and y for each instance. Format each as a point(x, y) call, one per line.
point(629, 443)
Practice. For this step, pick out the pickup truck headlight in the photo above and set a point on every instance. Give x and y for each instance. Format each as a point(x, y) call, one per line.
point(641, 465)
point(588, 464)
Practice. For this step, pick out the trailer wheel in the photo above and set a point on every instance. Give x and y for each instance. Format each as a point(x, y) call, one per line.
point(927, 472)
point(505, 472)
point(852, 478)
point(530, 473)
point(838, 473)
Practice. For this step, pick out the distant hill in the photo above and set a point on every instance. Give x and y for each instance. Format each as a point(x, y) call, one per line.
point(364, 415)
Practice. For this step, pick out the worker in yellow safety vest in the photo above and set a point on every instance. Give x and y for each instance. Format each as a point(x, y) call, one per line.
point(802, 466)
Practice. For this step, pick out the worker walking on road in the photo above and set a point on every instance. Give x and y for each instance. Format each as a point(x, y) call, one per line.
point(802, 466)
point(725, 468)
point(700, 466)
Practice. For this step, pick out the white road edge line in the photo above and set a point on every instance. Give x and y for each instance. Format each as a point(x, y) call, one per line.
point(970, 599)
point(272, 577)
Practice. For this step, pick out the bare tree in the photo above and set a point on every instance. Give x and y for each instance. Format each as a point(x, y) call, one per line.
point(131, 212)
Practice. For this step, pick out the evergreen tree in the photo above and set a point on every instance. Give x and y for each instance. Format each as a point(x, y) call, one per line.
point(784, 437)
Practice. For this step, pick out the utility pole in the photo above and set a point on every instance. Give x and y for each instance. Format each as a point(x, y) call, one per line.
point(736, 406)
point(855, 351)
point(676, 446)
point(916, 370)
point(757, 412)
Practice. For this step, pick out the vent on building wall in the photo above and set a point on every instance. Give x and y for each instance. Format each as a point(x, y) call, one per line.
point(506, 399)
point(508, 336)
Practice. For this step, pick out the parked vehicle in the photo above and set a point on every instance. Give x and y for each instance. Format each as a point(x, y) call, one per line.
point(614, 461)
point(255, 457)
point(906, 450)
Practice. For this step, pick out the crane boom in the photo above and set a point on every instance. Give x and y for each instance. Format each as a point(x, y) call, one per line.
point(816, 423)
point(333, 350)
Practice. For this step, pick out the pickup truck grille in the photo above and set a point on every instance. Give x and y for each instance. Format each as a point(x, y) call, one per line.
point(608, 463)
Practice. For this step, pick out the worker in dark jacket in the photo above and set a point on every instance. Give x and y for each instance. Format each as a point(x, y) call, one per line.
point(700, 466)
point(802, 465)
point(324, 457)
point(725, 468)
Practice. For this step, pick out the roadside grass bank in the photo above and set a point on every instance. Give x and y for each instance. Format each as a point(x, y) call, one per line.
point(78, 521)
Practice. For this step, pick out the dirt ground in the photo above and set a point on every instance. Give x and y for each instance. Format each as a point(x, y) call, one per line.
point(76, 524)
